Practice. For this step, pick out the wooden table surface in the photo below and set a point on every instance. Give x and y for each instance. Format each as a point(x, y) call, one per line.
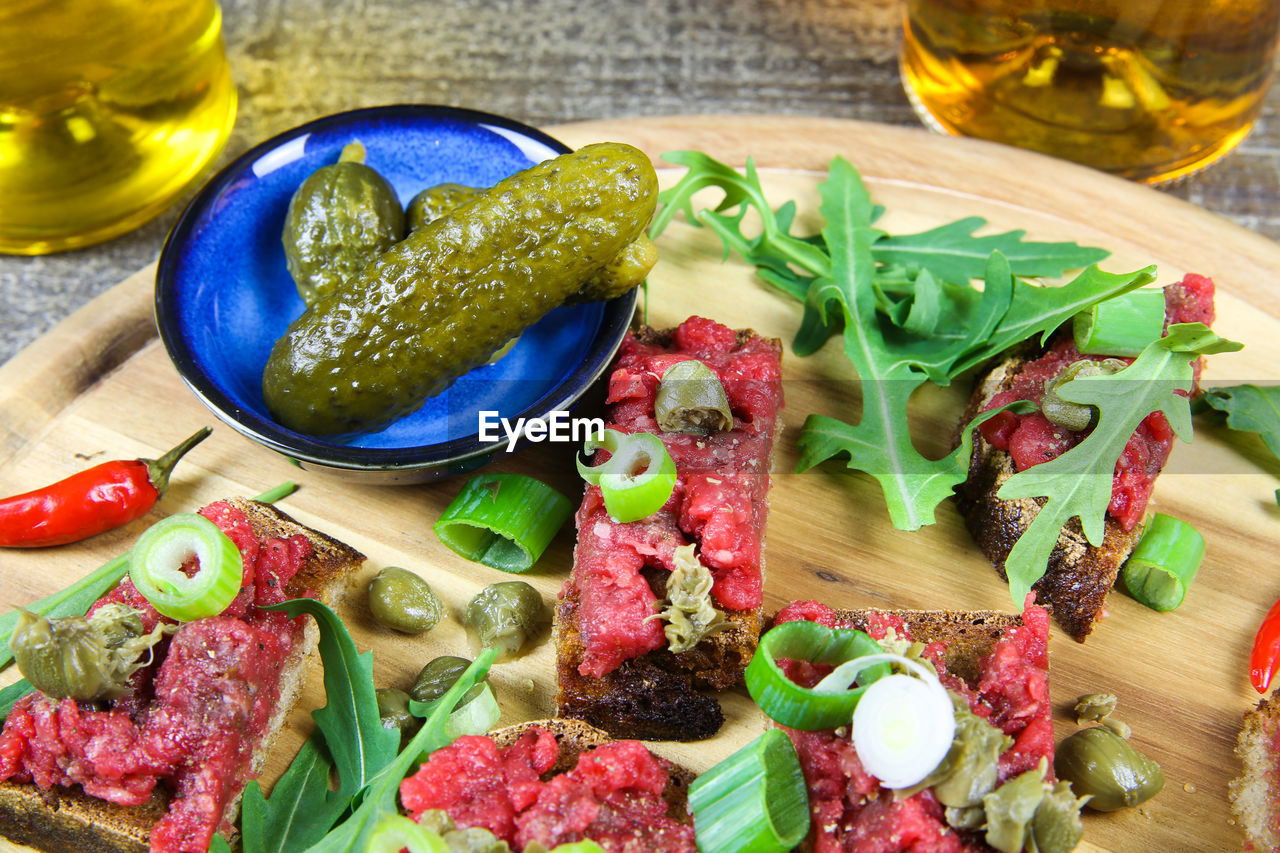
point(547, 62)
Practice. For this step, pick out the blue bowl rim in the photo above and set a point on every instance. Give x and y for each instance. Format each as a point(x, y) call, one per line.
point(616, 320)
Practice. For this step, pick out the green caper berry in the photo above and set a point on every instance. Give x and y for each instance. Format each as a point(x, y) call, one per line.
point(505, 614)
point(403, 601)
point(690, 399)
point(1064, 413)
point(1095, 707)
point(1056, 826)
point(437, 677)
point(1101, 764)
point(393, 710)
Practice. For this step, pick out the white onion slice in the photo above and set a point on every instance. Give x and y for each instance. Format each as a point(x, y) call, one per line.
point(903, 725)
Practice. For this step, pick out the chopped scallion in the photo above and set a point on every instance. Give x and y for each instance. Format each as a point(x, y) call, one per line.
point(156, 567)
point(397, 832)
point(809, 709)
point(754, 800)
point(904, 725)
point(505, 521)
point(1164, 562)
point(637, 479)
point(1122, 325)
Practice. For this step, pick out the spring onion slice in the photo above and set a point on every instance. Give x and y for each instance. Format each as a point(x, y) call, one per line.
point(396, 832)
point(155, 567)
point(476, 712)
point(1122, 325)
point(505, 521)
point(638, 477)
point(756, 799)
point(904, 725)
point(1164, 562)
point(809, 709)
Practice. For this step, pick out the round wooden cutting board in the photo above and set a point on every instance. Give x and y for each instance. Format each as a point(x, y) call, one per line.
point(99, 386)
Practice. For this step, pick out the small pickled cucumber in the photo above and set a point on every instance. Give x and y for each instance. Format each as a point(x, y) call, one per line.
point(441, 301)
point(434, 202)
point(340, 218)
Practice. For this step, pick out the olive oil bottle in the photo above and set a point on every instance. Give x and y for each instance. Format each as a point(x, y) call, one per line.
point(108, 110)
point(1148, 89)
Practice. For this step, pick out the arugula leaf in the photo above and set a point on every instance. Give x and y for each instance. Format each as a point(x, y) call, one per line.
point(952, 252)
point(1038, 311)
point(1077, 484)
point(902, 318)
point(378, 798)
point(303, 808)
point(1250, 408)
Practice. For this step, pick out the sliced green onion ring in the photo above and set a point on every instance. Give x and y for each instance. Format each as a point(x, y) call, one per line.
point(476, 712)
point(155, 567)
point(809, 709)
point(904, 725)
point(1164, 562)
point(396, 832)
point(756, 799)
point(505, 521)
point(638, 477)
point(1122, 325)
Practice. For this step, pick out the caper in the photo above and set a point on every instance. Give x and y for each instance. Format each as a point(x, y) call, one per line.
point(1064, 413)
point(403, 601)
point(1095, 707)
point(83, 658)
point(970, 769)
point(1056, 826)
point(1101, 764)
point(1011, 807)
point(690, 399)
point(505, 614)
point(437, 677)
point(393, 710)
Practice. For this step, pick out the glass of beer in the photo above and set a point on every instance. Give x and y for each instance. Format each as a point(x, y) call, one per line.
point(1148, 89)
point(108, 110)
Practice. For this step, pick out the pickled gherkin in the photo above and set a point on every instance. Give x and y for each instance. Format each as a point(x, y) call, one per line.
point(340, 218)
point(445, 298)
point(433, 202)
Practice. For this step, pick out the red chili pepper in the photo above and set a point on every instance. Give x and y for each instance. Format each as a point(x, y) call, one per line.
point(1264, 661)
point(93, 501)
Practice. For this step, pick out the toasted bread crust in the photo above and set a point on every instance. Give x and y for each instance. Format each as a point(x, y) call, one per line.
point(1253, 793)
point(657, 696)
point(970, 635)
point(67, 819)
point(1079, 574)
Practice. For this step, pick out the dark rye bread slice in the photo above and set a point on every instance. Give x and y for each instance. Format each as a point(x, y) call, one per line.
point(657, 696)
point(1255, 793)
point(66, 819)
point(576, 737)
point(1079, 574)
point(969, 635)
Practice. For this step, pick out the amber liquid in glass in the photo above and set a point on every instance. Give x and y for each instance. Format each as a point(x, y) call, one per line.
point(1148, 89)
point(108, 110)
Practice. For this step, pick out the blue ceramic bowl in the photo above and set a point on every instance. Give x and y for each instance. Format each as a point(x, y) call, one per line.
point(224, 295)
